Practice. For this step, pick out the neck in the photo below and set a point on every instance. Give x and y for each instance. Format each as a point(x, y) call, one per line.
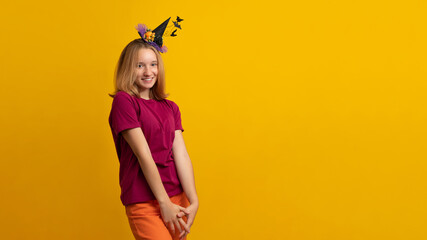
point(144, 94)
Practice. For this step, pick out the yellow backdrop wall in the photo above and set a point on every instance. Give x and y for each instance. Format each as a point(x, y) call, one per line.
point(304, 119)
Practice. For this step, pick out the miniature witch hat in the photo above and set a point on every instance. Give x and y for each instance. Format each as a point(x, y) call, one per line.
point(155, 37)
point(159, 32)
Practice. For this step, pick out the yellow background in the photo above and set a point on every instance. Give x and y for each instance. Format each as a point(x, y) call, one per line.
point(304, 119)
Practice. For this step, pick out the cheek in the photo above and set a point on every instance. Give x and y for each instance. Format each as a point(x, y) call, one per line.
point(137, 73)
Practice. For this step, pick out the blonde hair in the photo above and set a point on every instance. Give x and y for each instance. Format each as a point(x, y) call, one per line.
point(125, 73)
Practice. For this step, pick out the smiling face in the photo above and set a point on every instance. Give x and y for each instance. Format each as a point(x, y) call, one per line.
point(146, 71)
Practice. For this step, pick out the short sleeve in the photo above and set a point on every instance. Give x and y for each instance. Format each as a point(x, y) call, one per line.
point(177, 117)
point(123, 113)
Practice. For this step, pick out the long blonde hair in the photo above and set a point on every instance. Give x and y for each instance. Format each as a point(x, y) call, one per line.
point(125, 73)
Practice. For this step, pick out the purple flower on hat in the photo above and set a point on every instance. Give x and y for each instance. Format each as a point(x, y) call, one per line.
point(142, 28)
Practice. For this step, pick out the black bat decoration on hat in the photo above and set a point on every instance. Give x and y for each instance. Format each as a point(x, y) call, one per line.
point(179, 19)
point(176, 25)
point(173, 33)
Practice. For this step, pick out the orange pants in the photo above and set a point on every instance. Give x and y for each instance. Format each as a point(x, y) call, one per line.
point(146, 221)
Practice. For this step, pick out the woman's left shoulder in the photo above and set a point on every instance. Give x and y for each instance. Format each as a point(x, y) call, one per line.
point(171, 104)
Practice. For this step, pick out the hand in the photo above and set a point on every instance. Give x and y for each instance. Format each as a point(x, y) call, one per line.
point(169, 212)
point(191, 212)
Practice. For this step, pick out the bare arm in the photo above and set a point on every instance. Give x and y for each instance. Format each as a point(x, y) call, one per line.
point(136, 140)
point(186, 176)
point(184, 167)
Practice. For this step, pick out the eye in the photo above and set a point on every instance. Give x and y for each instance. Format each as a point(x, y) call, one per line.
point(139, 65)
point(154, 64)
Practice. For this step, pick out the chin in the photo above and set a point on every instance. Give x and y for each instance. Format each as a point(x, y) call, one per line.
point(146, 85)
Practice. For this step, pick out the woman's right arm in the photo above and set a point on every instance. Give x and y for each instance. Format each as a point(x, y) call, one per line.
point(136, 140)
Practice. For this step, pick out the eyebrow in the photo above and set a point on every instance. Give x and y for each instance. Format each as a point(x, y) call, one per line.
point(151, 62)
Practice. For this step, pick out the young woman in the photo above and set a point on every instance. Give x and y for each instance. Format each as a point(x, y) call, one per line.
point(156, 174)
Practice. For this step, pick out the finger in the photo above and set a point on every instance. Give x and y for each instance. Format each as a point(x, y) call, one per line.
point(181, 235)
point(185, 234)
point(180, 214)
point(178, 225)
point(186, 211)
point(171, 228)
point(186, 228)
point(190, 220)
point(188, 225)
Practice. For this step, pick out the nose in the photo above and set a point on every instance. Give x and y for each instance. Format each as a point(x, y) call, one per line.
point(147, 72)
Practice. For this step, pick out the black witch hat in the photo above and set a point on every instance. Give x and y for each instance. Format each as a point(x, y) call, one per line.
point(159, 32)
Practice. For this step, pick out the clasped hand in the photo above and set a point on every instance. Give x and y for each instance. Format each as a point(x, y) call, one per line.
point(172, 216)
point(190, 212)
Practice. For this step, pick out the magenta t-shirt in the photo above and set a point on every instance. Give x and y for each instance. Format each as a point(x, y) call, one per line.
point(158, 121)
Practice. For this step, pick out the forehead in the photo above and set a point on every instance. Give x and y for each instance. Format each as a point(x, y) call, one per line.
point(146, 54)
